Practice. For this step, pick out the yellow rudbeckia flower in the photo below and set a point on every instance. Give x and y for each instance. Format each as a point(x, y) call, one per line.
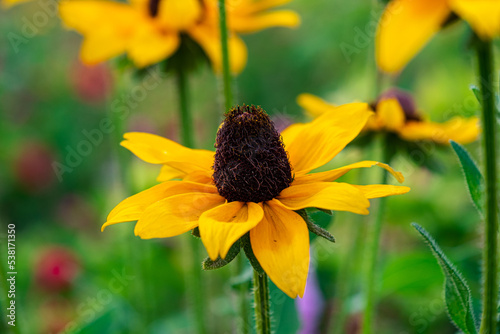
point(151, 30)
point(252, 186)
point(395, 112)
point(407, 25)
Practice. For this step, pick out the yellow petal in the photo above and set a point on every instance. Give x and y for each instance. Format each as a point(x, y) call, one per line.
point(158, 150)
point(381, 190)
point(390, 114)
point(175, 215)
point(314, 105)
point(324, 195)
point(179, 14)
point(150, 45)
point(281, 245)
point(252, 6)
point(321, 140)
point(405, 27)
point(105, 36)
point(133, 207)
point(254, 23)
point(482, 15)
point(291, 132)
point(89, 16)
point(208, 38)
point(222, 226)
point(458, 129)
point(334, 174)
point(168, 173)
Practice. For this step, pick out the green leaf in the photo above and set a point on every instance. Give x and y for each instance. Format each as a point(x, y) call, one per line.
point(318, 230)
point(457, 293)
point(247, 247)
point(473, 177)
point(209, 264)
point(477, 93)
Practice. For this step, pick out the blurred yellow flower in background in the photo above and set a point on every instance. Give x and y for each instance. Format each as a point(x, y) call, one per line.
point(151, 31)
point(407, 25)
point(252, 185)
point(395, 112)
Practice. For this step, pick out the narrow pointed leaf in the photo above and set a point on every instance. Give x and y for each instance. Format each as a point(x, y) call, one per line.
point(318, 230)
point(473, 177)
point(477, 92)
point(457, 293)
point(209, 264)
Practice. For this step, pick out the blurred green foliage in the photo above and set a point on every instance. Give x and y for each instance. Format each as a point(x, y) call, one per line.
point(45, 104)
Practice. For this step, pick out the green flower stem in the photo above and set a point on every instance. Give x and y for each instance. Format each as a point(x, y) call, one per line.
point(490, 252)
point(194, 289)
point(226, 71)
point(372, 252)
point(262, 312)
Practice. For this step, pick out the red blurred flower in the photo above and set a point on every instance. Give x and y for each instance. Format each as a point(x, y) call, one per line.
point(56, 269)
point(91, 83)
point(33, 166)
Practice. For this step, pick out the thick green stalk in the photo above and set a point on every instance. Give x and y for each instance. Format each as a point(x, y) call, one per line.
point(262, 311)
point(226, 71)
point(194, 283)
point(372, 253)
point(490, 252)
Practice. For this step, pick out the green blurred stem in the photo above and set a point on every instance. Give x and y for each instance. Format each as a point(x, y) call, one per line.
point(194, 283)
point(226, 72)
point(185, 116)
point(261, 295)
point(490, 252)
point(373, 251)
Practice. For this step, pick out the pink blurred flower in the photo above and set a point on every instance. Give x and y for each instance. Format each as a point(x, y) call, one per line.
point(33, 166)
point(56, 269)
point(91, 83)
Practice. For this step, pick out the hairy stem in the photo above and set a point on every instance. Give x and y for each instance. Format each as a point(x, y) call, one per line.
point(490, 252)
point(261, 294)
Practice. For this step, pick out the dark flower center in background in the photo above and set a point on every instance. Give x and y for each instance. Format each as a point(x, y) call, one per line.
point(405, 100)
point(251, 164)
point(153, 7)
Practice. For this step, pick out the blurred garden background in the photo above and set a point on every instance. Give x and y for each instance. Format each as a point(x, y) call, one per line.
point(60, 127)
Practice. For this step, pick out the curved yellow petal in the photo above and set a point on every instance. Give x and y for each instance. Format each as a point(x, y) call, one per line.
point(179, 14)
point(482, 15)
point(281, 245)
point(150, 45)
point(404, 28)
point(251, 6)
point(314, 105)
point(89, 16)
point(291, 132)
point(158, 150)
point(208, 38)
point(175, 215)
point(459, 129)
point(324, 195)
point(322, 139)
point(200, 176)
point(133, 207)
point(257, 22)
point(334, 174)
point(381, 190)
point(390, 114)
point(222, 226)
point(168, 173)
